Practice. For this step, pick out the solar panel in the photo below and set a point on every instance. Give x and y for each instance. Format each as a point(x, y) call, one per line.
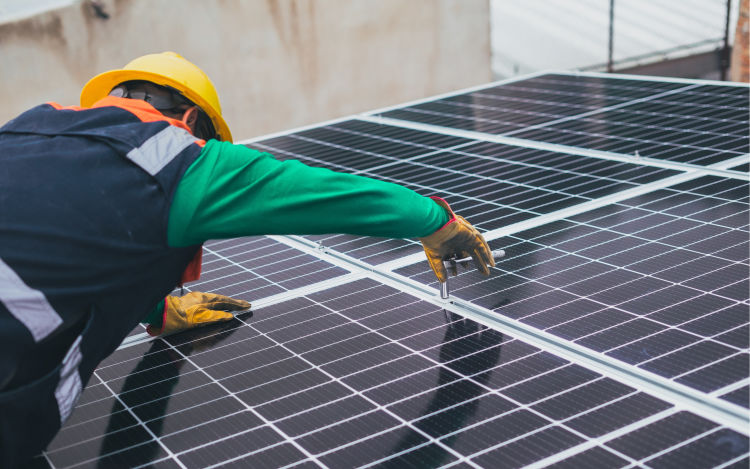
point(682, 122)
point(358, 374)
point(614, 333)
point(659, 281)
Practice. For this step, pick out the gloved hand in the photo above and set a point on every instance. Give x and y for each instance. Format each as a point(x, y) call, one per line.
point(194, 310)
point(459, 238)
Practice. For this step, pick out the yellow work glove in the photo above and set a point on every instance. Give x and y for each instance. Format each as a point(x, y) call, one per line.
point(456, 238)
point(196, 309)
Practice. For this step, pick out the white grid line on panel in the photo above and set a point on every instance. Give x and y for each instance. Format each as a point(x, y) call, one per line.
point(476, 177)
point(350, 135)
point(196, 285)
point(228, 437)
point(720, 129)
point(547, 72)
point(682, 443)
point(231, 262)
point(631, 427)
point(406, 451)
point(642, 152)
point(732, 461)
point(47, 452)
point(556, 119)
point(249, 247)
point(737, 354)
point(732, 387)
point(604, 305)
point(642, 259)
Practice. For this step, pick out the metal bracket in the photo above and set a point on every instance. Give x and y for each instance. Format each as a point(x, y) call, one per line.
point(451, 264)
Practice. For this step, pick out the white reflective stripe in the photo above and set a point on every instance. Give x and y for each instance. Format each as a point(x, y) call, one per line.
point(156, 152)
point(69, 387)
point(26, 304)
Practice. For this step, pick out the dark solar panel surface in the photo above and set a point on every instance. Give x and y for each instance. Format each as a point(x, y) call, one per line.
point(659, 281)
point(352, 372)
point(362, 373)
point(681, 122)
point(258, 267)
point(517, 105)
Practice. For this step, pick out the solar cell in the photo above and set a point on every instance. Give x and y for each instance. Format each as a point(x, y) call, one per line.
point(614, 333)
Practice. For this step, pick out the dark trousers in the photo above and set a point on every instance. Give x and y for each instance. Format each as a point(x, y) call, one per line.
point(29, 410)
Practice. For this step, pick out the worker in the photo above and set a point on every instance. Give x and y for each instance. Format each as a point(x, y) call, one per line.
point(104, 208)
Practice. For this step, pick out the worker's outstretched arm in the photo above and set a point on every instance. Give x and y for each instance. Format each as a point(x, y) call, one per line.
point(233, 191)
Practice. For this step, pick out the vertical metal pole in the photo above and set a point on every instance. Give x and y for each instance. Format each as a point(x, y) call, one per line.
point(444, 290)
point(611, 34)
point(725, 50)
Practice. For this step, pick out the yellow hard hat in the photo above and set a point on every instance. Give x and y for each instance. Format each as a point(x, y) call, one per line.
point(166, 69)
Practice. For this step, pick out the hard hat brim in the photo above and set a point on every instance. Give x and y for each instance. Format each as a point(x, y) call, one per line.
point(100, 86)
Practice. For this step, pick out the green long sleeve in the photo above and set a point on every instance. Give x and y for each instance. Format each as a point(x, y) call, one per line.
point(232, 191)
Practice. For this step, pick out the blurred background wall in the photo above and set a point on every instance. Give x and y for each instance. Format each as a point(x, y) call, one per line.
point(277, 64)
point(280, 64)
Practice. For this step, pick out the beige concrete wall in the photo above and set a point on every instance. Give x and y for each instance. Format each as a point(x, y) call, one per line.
point(277, 64)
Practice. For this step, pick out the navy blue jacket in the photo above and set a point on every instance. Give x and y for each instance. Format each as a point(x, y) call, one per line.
point(84, 205)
